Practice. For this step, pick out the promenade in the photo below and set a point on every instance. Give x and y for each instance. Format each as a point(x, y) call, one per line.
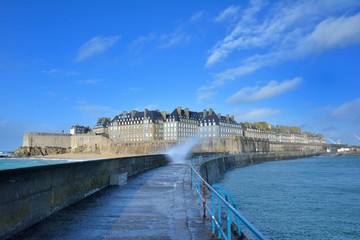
point(156, 204)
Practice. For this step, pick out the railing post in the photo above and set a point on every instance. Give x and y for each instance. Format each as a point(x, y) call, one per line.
point(229, 233)
point(204, 199)
point(213, 213)
point(222, 197)
point(192, 176)
point(219, 216)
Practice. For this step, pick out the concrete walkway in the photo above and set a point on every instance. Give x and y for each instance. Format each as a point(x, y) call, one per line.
point(157, 204)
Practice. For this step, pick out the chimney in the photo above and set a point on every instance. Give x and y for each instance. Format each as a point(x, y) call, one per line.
point(178, 109)
point(219, 116)
point(232, 118)
point(204, 113)
point(146, 112)
point(164, 115)
point(187, 113)
point(133, 112)
point(227, 118)
point(124, 114)
point(211, 111)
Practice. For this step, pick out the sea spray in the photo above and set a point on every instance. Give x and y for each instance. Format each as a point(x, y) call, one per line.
point(182, 151)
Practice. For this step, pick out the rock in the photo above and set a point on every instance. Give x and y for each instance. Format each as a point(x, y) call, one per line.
point(25, 152)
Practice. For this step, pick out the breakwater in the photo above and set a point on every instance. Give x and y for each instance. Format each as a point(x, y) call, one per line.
point(213, 169)
point(30, 194)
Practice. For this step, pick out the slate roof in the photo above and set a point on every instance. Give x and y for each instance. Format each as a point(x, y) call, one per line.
point(176, 116)
point(153, 115)
point(102, 123)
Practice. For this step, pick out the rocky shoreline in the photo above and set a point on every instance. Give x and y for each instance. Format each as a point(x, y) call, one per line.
point(25, 152)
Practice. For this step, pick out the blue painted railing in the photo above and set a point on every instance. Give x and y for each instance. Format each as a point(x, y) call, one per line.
point(222, 206)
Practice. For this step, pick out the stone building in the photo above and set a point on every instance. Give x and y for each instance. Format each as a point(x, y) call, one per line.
point(217, 126)
point(181, 124)
point(137, 126)
point(102, 125)
point(78, 129)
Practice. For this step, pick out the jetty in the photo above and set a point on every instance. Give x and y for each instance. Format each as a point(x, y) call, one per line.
point(156, 204)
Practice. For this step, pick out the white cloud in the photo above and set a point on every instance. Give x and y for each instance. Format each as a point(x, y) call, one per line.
point(181, 35)
point(205, 94)
point(89, 82)
point(52, 71)
point(231, 42)
point(282, 26)
point(208, 91)
point(93, 109)
point(229, 12)
point(339, 122)
point(331, 33)
point(150, 107)
point(347, 109)
point(273, 88)
point(197, 17)
point(138, 44)
point(176, 38)
point(257, 114)
point(95, 46)
point(56, 71)
point(161, 41)
point(284, 31)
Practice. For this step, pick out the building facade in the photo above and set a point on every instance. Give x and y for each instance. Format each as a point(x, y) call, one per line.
point(218, 126)
point(181, 124)
point(78, 129)
point(137, 126)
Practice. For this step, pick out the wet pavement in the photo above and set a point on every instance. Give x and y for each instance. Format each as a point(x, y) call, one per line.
point(157, 204)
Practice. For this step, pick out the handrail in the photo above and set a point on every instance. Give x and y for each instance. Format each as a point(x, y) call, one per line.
point(198, 185)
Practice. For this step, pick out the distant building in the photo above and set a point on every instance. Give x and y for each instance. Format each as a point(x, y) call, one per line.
point(78, 129)
point(181, 124)
point(218, 126)
point(102, 125)
point(137, 126)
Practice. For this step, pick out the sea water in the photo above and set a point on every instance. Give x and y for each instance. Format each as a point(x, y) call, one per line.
point(312, 198)
point(12, 163)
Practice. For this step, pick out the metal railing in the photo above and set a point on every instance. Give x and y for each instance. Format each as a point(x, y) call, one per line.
point(222, 207)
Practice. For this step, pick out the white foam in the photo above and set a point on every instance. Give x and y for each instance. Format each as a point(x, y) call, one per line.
point(182, 151)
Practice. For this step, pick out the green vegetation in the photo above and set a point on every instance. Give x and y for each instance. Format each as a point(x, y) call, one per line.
point(264, 126)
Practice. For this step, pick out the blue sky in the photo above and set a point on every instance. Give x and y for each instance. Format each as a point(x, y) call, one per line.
point(284, 62)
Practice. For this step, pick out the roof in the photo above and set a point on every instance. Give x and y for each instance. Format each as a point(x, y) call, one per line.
point(175, 114)
point(152, 115)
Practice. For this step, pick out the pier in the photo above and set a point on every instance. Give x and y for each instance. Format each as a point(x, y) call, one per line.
point(156, 204)
point(64, 201)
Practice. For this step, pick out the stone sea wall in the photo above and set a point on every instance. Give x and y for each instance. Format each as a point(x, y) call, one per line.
point(91, 143)
point(30, 194)
point(212, 170)
point(47, 140)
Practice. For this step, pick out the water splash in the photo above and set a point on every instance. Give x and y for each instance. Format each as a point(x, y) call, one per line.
point(182, 151)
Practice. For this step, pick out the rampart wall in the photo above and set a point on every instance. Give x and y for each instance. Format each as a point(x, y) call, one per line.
point(212, 170)
point(30, 194)
point(47, 140)
point(91, 143)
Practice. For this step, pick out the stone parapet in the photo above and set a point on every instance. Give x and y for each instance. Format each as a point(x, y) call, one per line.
point(213, 169)
point(30, 194)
